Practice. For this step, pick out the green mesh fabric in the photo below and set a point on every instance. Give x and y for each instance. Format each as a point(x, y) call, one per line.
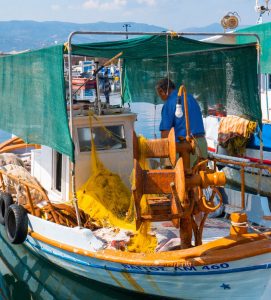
point(214, 73)
point(32, 98)
point(145, 47)
point(264, 33)
point(32, 91)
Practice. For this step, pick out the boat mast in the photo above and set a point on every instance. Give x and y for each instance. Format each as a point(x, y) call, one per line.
point(74, 197)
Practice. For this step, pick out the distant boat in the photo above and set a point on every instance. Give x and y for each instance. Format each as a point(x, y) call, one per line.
point(83, 83)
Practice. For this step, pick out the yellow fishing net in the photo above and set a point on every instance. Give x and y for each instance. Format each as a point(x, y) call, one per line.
point(109, 202)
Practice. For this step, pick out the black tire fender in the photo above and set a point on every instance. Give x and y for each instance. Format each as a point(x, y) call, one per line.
point(5, 201)
point(16, 221)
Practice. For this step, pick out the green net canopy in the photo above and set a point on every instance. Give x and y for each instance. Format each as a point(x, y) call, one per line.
point(264, 33)
point(32, 98)
point(32, 88)
point(216, 74)
point(145, 47)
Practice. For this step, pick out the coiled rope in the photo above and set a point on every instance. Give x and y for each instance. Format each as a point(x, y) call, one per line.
point(250, 226)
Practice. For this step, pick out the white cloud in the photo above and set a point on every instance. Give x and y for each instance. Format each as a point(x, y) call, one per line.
point(104, 5)
point(55, 7)
point(91, 4)
point(148, 2)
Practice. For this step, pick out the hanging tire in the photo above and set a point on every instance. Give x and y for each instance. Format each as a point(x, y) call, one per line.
point(5, 201)
point(16, 221)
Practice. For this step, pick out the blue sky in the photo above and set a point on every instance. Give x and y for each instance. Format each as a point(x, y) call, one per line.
point(171, 14)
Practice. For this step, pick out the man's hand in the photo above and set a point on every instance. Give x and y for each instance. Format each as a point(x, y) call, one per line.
point(164, 134)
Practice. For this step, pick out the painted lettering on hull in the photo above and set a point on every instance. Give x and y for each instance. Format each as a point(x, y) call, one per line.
point(177, 269)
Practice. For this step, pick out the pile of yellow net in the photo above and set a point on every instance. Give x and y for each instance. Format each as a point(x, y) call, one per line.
point(234, 132)
point(109, 202)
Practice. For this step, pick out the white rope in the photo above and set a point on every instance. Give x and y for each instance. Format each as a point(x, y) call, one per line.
point(236, 224)
point(247, 225)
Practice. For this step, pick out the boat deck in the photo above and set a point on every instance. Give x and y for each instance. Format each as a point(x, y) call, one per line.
point(168, 236)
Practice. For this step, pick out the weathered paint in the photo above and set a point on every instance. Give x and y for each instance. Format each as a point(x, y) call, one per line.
point(152, 282)
point(115, 279)
point(132, 282)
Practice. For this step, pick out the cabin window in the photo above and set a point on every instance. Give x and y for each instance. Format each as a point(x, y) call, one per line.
point(57, 171)
point(105, 138)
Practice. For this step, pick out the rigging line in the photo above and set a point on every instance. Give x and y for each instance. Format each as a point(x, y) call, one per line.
point(265, 234)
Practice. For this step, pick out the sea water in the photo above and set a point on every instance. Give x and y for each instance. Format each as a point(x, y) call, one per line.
point(24, 276)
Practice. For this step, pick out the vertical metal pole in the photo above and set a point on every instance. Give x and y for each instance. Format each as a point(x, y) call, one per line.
point(126, 29)
point(120, 80)
point(74, 197)
point(259, 87)
point(243, 188)
point(266, 95)
point(98, 90)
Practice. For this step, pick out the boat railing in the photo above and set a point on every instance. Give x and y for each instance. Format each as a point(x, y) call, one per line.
point(242, 163)
point(16, 143)
point(27, 186)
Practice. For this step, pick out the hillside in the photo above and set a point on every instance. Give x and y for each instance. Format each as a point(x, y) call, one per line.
point(21, 35)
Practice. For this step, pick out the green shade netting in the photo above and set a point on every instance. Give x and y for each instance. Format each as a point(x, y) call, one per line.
point(264, 33)
point(32, 90)
point(214, 73)
point(32, 98)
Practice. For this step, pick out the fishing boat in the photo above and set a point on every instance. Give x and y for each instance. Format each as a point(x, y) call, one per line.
point(51, 210)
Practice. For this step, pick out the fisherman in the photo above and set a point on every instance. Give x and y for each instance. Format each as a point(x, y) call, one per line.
point(106, 86)
point(166, 90)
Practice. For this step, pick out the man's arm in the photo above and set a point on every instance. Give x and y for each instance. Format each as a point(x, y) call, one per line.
point(164, 134)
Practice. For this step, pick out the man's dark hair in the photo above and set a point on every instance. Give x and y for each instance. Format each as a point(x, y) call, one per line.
point(165, 84)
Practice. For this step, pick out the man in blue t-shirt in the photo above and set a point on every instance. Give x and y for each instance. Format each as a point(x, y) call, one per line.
point(166, 90)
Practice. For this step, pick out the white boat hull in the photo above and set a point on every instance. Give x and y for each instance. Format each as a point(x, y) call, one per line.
point(248, 278)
